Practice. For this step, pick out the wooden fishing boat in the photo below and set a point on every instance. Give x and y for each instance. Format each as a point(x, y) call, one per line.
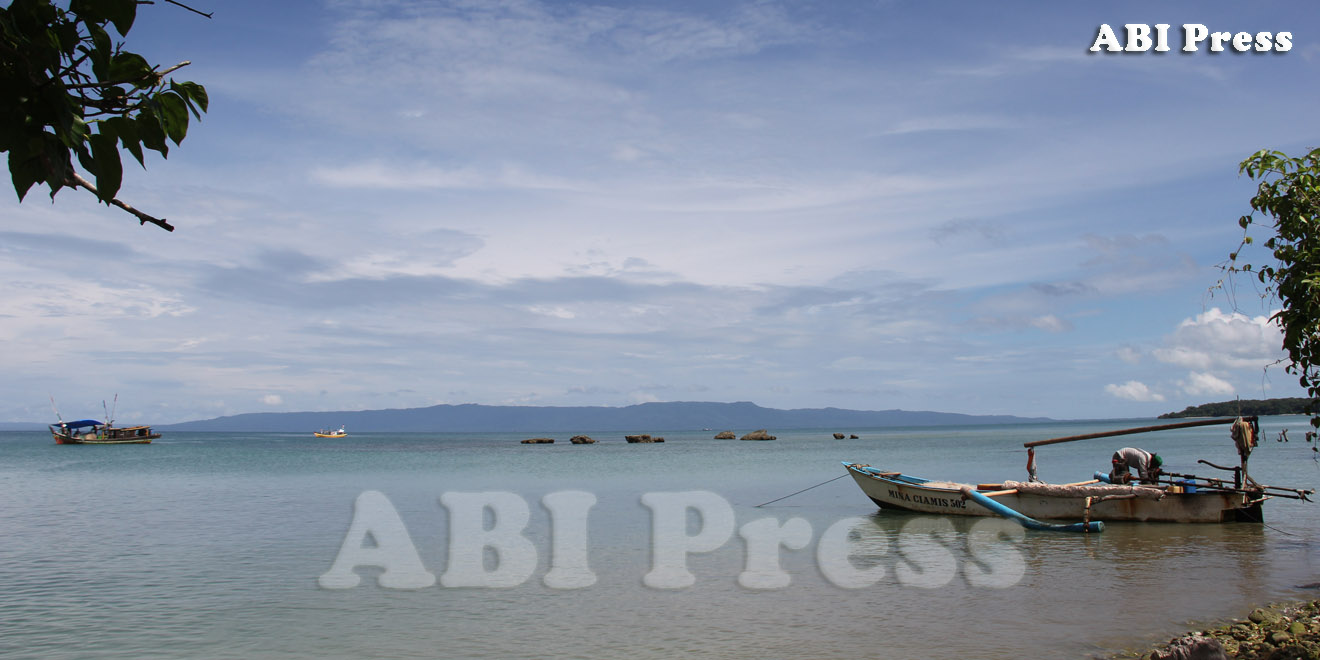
point(1091, 500)
point(324, 433)
point(1171, 497)
point(92, 432)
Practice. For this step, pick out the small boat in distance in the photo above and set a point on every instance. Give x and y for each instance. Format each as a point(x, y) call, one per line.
point(324, 433)
point(92, 432)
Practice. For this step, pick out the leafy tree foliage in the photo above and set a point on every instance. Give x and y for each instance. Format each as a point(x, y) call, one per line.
point(1288, 199)
point(69, 91)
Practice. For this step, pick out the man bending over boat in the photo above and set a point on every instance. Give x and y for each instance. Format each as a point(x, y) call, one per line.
point(1146, 463)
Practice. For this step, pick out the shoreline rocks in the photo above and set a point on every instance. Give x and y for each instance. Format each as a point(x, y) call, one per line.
point(1276, 632)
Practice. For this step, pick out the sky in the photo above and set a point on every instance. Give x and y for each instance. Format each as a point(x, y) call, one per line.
point(952, 206)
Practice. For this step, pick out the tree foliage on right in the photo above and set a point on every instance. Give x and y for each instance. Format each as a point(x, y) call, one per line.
point(1287, 200)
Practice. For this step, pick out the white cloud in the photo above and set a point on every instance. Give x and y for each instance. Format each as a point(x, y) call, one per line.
point(272, 399)
point(554, 311)
point(1129, 355)
point(1133, 391)
point(1199, 384)
point(421, 176)
point(1050, 323)
point(953, 123)
point(1216, 340)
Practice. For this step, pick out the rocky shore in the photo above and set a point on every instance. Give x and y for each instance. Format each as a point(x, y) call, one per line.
point(1288, 631)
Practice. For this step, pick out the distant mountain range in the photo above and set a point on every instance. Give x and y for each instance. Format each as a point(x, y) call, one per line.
point(673, 416)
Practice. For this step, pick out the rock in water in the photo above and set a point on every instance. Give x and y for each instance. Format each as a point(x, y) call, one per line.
point(759, 434)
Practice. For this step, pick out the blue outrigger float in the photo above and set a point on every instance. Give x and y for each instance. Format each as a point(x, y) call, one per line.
point(1180, 498)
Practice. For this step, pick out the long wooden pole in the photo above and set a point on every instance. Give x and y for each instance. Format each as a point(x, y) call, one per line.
point(1144, 429)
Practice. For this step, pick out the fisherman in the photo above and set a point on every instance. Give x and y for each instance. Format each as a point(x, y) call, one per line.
point(1146, 463)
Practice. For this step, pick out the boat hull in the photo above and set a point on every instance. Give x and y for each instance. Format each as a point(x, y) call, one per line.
point(64, 440)
point(893, 490)
point(92, 432)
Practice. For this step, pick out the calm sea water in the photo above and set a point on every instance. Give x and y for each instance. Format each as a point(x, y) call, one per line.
point(210, 546)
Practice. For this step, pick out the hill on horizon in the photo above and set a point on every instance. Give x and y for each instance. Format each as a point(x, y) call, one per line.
point(671, 416)
point(1278, 406)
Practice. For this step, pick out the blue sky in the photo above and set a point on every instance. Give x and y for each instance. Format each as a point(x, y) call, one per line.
point(867, 205)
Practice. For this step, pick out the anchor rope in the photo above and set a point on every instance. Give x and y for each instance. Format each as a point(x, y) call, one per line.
point(800, 491)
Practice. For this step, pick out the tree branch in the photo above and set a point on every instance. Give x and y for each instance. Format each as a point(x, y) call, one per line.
point(115, 83)
point(143, 218)
point(195, 11)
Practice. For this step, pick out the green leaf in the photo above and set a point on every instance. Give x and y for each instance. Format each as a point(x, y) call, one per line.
point(151, 133)
point(25, 172)
point(126, 66)
point(173, 114)
point(109, 170)
point(120, 12)
point(102, 49)
point(54, 159)
point(85, 158)
point(191, 92)
point(127, 130)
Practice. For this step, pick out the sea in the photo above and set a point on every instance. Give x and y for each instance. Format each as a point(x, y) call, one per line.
point(474, 545)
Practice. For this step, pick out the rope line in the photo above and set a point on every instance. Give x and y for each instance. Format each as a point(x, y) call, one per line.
point(800, 491)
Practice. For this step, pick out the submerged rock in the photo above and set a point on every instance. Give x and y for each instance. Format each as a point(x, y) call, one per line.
point(642, 438)
point(539, 441)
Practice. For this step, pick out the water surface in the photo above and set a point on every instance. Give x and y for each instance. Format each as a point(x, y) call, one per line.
point(210, 545)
